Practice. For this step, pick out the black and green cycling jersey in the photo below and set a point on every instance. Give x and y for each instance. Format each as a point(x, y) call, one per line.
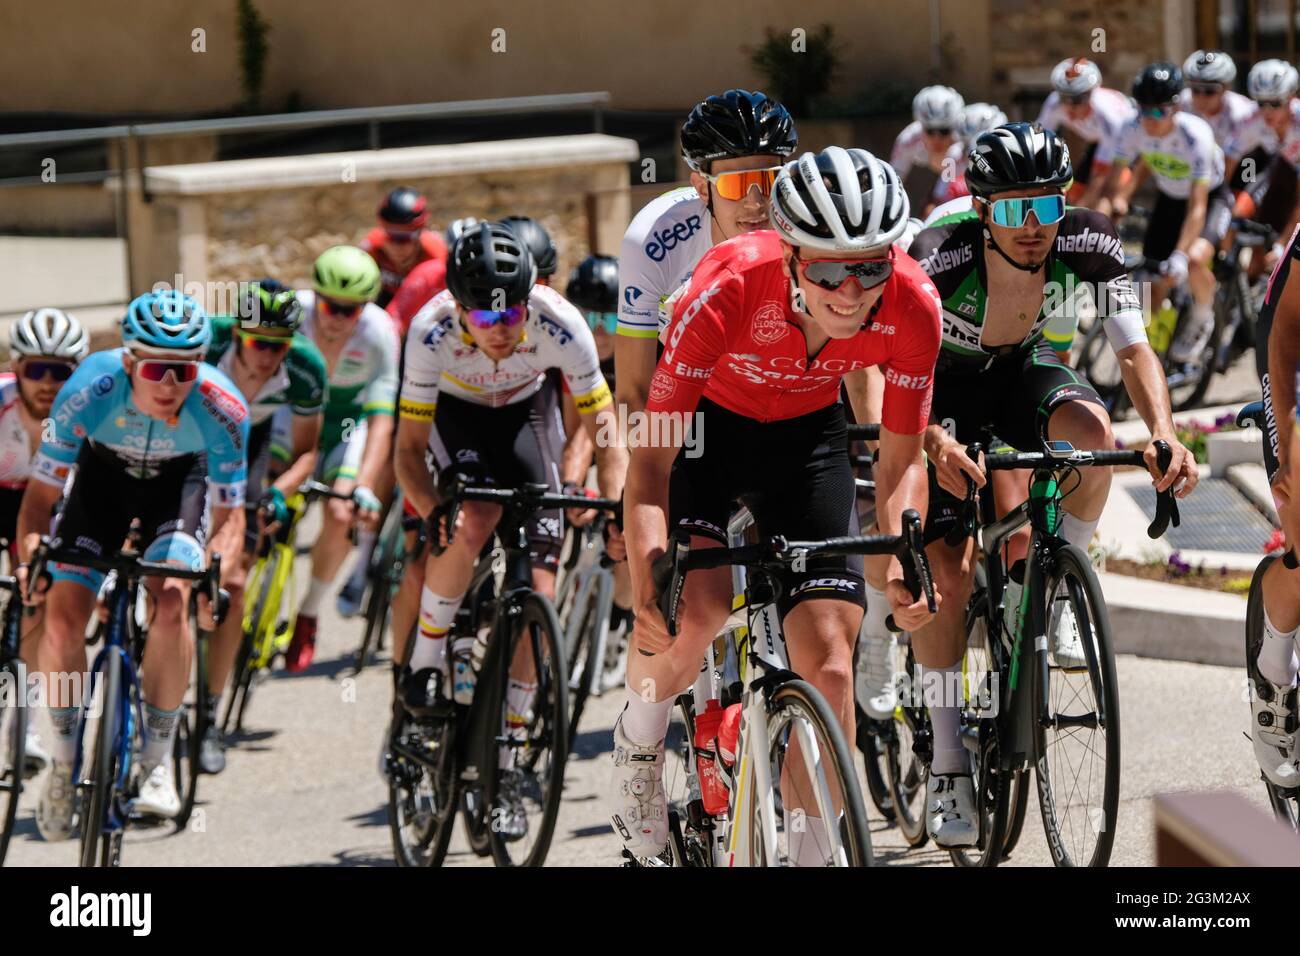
point(301, 381)
point(1087, 260)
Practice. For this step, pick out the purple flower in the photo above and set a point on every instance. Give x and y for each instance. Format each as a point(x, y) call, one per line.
point(1227, 418)
point(1178, 566)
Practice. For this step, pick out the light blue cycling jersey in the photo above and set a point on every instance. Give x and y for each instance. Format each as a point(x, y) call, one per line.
point(95, 404)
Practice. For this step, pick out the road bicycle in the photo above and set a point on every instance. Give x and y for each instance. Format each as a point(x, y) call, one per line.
point(383, 579)
point(584, 598)
point(14, 713)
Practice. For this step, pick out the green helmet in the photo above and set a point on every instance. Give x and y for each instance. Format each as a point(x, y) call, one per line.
point(348, 274)
point(268, 304)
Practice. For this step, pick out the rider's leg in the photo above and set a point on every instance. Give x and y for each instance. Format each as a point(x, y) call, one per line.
point(166, 666)
point(1084, 425)
point(939, 648)
point(406, 603)
point(1281, 588)
point(63, 660)
point(223, 643)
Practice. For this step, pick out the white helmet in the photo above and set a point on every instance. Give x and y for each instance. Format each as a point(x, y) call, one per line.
point(1209, 66)
point(839, 200)
point(457, 228)
point(1272, 80)
point(937, 107)
point(979, 118)
point(49, 332)
point(1076, 76)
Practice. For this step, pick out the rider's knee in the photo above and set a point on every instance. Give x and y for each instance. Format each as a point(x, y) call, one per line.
point(477, 524)
point(953, 573)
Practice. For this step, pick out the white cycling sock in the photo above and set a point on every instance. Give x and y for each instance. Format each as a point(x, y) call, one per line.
point(365, 547)
point(159, 726)
point(645, 722)
point(436, 616)
point(1077, 531)
point(519, 714)
point(316, 592)
point(806, 836)
point(875, 656)
point(1277, 655)
point(64, 720)
point(942, 693)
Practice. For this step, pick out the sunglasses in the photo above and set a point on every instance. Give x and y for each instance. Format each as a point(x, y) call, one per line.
point(1076, 100)
point(736, 185)
point(486, 318)
point(346, 309)
point(1271, 104)
point(830, 274)
point(603, 320)
point(939, 131)
point(155, 370)
point(1013, 213)
point(401, 236)
point(59, 371)
point(1212, 90)
point(264, 343)
point(1157, 112)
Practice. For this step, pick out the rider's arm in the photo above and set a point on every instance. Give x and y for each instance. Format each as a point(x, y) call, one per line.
point(900, 484)
point(38, 503)
point(305, 432)
point(642, 283)
point(417, 405)
point(866, 390)
point(601, 428)
point(1194, 220)
point(378, 403)
point(227, 536)
point(412, 471)
point(1283, 359)
point(578, 445)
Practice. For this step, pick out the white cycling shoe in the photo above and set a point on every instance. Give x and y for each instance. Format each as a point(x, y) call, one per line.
point(950, 810)
point(875, 684)
point(1274, 742)
point(58, 803)
point(1067, 643)
point(158, 796)
point(639, 807)
point(35, 756)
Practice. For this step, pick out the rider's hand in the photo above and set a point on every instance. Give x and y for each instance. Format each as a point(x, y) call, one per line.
point(206, 621)
point(579, 517)
point(650, 630)
point(909, 614)
point(1182, 472)
point(1118, 207)
point(1175, 267)
point(439, 520)
point(368, 507)
point(272, 511)
point(952, 466)
point(615, 543)
point(37, 595)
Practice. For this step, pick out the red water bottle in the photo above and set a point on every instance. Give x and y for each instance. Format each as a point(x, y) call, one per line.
point(713, 790)
point(729, 734)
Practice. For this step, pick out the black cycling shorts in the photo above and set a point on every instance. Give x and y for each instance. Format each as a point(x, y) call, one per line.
point(795, 478)
point(11, 500)
point(1167, 222)
point(507, 447)
point(102, 501)
point(1015, 397)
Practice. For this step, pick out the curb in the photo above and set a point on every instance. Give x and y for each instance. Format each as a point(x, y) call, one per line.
point(1172, 622)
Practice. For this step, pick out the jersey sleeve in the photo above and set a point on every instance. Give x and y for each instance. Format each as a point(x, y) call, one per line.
point(1049, 117)
point(379, 397)
point(909, 371)
point(308, 377)
point(425, 281)
point(223, 423)
point(86, 398)
point(1096, 258)
point(423, 368)
point(1249, 136)
point(1126, 148)
point(1204, 154)
point(696, 338)
point(641, 286)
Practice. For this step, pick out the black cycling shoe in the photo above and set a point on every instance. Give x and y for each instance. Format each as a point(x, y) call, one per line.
point(422, 694)
point(509, 818)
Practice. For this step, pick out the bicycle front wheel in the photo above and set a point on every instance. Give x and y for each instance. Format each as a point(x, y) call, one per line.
point(811, 758)
point(1079, 738)
point(13, 745)
point(1285, 802)
point(96, 837)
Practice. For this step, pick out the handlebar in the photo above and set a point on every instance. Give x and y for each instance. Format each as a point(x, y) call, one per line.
point(864, 432)
point(526, 499)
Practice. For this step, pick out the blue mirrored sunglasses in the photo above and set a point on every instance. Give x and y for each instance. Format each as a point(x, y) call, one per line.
point(1013, 213)
point(603, 320)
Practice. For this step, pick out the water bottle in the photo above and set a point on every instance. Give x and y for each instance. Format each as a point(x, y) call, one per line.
point(729, 735)
point(713, 789)
point(462, 669)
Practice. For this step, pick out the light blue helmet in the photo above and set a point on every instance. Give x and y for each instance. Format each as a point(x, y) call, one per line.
point(168, 320)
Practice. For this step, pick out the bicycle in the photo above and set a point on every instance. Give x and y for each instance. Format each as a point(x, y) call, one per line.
point(776, 708)
point(383, 578)
point(13, 714)
point(269, 603)
point(103, 794)
point(1237, 300)
point(439, 766)
point(584, 596)
point(1014, 697)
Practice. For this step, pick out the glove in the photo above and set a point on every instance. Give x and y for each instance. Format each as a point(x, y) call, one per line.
point(274, 505)
point(1175, 266)
point(365, 498)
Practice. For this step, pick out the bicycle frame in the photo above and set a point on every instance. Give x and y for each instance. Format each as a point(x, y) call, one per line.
point(586, 576)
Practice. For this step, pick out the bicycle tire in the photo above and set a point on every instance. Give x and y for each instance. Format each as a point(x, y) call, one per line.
point(379, 584)
point(803, 696)
point(265, 572)
point(690, 848)
point(1284, 803)
point(474, 820)
point(1070, 563)
point(1094, 351)
point(1209, 364)
point(1018, 803)
point(95, 842)
point(13, 728)
point(596, 613)
point(432, 827)
point(538, 622)
point(189, 734)
point(906, 774)
point(874, 755)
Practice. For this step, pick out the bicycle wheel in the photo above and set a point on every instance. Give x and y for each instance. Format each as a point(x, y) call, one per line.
point(527, 745)
point(1192, 394)
point(906, 771)
point(189, 734)
point(13, 746)
point(96, 837)
point(423, 788)
point(688, 842)
point(473, 816)
point(259, 627)
point(584, 661)
point(800, 714)
point(379, 583)
point(1079, 739)
point(1098, 363)
point(874, 756)
point(1284, 801)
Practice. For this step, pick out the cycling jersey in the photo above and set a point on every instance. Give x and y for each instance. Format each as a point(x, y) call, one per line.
point(1264, 325)
point(951, 183)
point(95, 407)
point(299, 382)
point(432, 246)
point(659, 252)
point(1186, 155)
point(15, 453)
point(1111, 110)
point(909, 150)
point(442, 358)
point(364, 380)
point(735, 340)
point(1256, 133)
point(1227, 124)
point(1087, 255)
point(424, 282)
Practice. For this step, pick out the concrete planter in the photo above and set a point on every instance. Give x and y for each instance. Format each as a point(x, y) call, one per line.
point(1226, 449)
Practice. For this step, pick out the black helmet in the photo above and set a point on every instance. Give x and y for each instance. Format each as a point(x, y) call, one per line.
point(270, 304)
point(404, 206)
point(593, 284)
point(1157, 84)
point(1017, 156)
point(486, 259)
point(737, 123)
point(538, 241)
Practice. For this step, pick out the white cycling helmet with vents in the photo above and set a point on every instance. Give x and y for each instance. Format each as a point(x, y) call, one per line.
point(1272, 80)
point(1076, 76)
point(49, 332)
point(937, 107)
point(1209, 66)
point(839, 200)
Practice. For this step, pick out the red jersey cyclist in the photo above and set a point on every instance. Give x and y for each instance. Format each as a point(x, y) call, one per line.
point(400, 242)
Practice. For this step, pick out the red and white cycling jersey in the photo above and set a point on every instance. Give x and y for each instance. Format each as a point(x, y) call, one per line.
point(735, 340)
point(15, 452)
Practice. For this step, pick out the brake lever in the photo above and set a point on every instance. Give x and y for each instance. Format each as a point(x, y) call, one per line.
point(961, 531)
point(1166, 503)
point(668, 581)
point(916, 567)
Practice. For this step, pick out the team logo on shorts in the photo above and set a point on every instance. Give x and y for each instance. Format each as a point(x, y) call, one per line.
point(768, 324)
point(662, 386)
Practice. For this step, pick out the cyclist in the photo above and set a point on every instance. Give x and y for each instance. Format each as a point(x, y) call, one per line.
point(359, 345)
point(275, 367)
point(733, 143)
point(534, 235)
point(924, 143)
point(400, 242)
point(1094, 113)
point(1273, 132)
point(475, 400)
point(153, 431)
point(1209, 95)
point(1277, 358)
point(999, 270)
point(976, 118)
point(1194, 208)
point(45, 347)
point(828, 282)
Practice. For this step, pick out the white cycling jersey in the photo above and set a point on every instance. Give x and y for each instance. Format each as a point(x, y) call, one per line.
point(1255, 133)
point(15, 452)
point(1111, 110)
point(909, 150)
point(442, 358)
point(660, 249)
point(1187, 154)
point(1228, 123)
